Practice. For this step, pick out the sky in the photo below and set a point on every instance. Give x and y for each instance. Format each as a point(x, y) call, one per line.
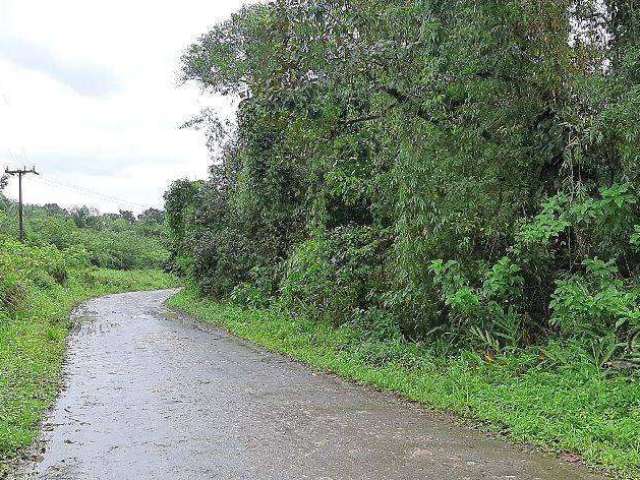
point(88, 94)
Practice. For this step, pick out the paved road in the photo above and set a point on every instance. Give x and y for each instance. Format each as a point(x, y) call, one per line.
point(151, 395)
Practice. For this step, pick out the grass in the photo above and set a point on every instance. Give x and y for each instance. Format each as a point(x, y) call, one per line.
point(552, 397)
point(32, 346)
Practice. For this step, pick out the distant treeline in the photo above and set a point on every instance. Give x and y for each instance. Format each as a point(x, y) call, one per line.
point(121, 241)
point(464, 172)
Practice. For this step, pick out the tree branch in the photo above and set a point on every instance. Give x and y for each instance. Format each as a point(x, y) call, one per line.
point(406, 99)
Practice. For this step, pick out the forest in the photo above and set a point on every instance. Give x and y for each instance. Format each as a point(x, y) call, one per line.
point(456, 182)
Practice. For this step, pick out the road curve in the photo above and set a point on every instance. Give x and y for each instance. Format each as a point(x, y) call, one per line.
point(153, 395)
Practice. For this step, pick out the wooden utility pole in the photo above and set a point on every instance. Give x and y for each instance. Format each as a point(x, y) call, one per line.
point(20, 174)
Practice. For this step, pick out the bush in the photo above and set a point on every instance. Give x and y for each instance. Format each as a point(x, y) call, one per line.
point(12, 295)
point(336, 277)
point(599, 307)
point(306, 286)
point(223, 260)
point(116, 241)
point(488, 315)
point(23, 268)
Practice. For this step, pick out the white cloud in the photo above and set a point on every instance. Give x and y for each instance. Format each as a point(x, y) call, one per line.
point(88, 95)
point(85, 79)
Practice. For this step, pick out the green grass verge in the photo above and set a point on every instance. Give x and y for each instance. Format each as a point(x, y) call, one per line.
point(32, 347)
point(554, 398)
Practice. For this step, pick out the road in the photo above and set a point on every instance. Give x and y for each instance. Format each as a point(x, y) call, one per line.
point(154, 395)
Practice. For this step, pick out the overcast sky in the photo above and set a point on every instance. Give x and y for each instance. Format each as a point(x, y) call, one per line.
point(88, 95)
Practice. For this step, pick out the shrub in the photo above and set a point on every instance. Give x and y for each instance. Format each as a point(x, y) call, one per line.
point(306, 286)
point(12, 294)
point(599, 306)
point(336, 277)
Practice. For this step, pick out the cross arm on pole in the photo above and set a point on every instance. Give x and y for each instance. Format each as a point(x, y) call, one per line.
point(22, 171)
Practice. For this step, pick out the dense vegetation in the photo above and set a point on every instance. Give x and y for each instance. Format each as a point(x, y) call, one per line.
point(456, 174)
point(112, 240)
point(67, 257)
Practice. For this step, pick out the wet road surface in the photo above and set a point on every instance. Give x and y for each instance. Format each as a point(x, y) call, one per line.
point(152, 395)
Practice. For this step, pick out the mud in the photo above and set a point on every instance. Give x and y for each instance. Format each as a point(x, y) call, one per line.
point(150, 395)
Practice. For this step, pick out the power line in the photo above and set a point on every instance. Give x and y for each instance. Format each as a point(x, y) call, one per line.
point(87, 191)
point(52, 182)
point(56, 183)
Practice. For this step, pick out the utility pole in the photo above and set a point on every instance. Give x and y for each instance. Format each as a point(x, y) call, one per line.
point(20, 174)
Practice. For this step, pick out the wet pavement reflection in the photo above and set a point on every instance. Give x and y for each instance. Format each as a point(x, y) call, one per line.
point(153, 395)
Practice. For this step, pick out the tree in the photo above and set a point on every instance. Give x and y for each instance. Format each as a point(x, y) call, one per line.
point(151, 215)
point(127, 215)
point(374, 138)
